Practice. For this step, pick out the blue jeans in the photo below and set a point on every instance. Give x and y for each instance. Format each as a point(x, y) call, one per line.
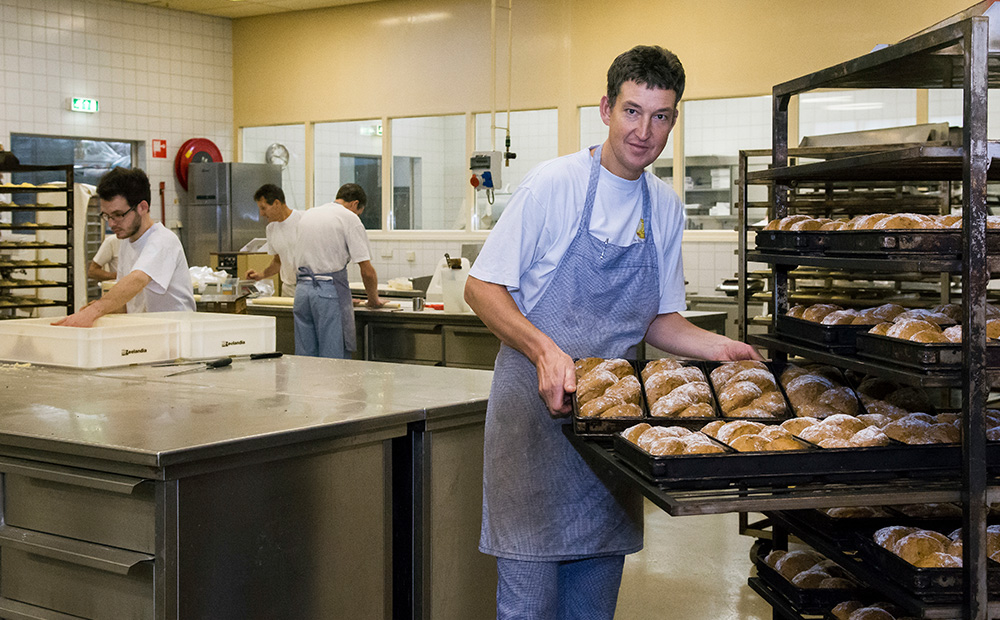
point(569, 590)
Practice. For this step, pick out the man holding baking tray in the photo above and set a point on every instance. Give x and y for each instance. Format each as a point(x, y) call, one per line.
point(585, 261)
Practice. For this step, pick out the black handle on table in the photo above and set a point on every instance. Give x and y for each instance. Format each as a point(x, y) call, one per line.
point(219, 363)
point(264, 356)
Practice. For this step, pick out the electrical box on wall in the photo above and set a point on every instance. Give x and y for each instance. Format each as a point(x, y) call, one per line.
point(485, 166)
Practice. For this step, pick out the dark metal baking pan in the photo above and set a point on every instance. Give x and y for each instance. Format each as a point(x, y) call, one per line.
point(939, 242)
point(800, 241)
point(771, 367)
point(790, 467)
point(834, 338)
point(839, 530)
point(840, 380)
point(807, 600)
point(692, 423)
point(595, 426)
point(926, 356)
point(921, 582)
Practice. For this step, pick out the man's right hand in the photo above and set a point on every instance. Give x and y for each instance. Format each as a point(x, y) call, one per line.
point(253, 275)
point(556, 381)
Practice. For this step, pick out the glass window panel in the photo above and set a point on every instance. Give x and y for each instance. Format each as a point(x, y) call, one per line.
point(430, 170)
point(829, 112)
point(534, 139)
point(715, 131)
point(350, 152)
point(256, 141)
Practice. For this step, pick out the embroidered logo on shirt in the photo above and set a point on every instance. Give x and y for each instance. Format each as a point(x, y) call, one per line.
point(641, 231)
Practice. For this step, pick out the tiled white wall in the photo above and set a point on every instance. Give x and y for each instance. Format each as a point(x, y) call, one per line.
point(829, 112)
point(157, 73)
point(706, 264)
point(255, 141)
point(439, 142)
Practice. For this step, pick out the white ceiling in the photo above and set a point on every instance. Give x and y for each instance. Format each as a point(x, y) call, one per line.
point(244, 8)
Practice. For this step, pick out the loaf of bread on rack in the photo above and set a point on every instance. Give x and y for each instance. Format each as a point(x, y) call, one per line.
point(607, 388)
point(670, 440)
point(751, 436)
point(875, 221)
point(922, 548)
point(818, 391)
point(808, 569)
point(747, 389)
point(676, 390)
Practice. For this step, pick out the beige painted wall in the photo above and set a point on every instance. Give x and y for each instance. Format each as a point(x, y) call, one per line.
point(427, 57)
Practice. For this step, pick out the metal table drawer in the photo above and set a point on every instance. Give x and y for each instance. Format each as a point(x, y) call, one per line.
point(405, 342)
point(73, 577)
point(470, 347)
point(102, 508)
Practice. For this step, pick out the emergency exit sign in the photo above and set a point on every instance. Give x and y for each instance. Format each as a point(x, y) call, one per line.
point(80, 104)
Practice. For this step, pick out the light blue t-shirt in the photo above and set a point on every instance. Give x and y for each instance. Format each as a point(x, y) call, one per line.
point(542, 217)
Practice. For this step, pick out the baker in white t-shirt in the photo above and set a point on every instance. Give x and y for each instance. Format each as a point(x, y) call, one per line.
point(104, 265)
point(330, 237)
point(152, 269)
point(282, 236)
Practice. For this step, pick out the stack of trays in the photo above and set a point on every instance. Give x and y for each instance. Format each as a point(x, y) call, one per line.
point(806, 600)
point(839, 339)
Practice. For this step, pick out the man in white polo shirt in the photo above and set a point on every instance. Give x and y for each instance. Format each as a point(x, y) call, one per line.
point(152, 268)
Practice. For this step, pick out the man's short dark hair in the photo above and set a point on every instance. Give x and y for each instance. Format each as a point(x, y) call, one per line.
point(130, 183)
point(269, 192)
point(349, 192)
point(649, 65)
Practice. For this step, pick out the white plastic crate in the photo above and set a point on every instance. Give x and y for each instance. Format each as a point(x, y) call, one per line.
point(114, 340)
point(215, 334)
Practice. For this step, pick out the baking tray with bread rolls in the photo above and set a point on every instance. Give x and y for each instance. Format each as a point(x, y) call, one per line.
point(930, 583)
point(815, 600)
point(839, 339)
point(922, 356)
point(812, 464)
point(599, 425)
point(871, 243)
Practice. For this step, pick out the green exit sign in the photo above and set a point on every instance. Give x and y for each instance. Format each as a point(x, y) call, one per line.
point(79, 104)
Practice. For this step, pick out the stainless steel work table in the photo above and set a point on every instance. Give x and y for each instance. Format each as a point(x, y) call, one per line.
point(268, 489)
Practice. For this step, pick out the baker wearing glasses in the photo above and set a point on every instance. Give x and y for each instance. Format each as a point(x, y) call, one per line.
point(152, 269)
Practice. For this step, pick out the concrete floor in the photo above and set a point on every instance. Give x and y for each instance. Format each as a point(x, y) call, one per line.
point(692, 568)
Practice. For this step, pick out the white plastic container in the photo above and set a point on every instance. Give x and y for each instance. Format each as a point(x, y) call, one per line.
point(453, 288)
point(213, 334)
point(114, 340)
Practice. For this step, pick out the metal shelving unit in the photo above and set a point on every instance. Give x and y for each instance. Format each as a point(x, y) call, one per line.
point(25, 283)
point(956, 55)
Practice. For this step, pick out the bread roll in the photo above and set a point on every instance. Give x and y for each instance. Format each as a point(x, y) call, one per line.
point(659, 365)
point(662, 383)
point(881, 329)
point(712, 428)
point(787, 221)
point(871, 613)
point(796, 311)
point(914, 547)
point(761, 377)
point(810, 578)
point(808, 224)
point(738, 394)
point(794, 562)
point(749, 443)
point(617, 366)
point(843, 610)
point(585, 365)
point(902, 221)
point(806, 389)
point(951, 310)
point(665, 446)
point(596, 406)
point(939, 559)
point(781, 444)
point(887, 312)
point(623, 410)
point(796, 425)
point(869, 437)
point(840, 317)
point(731, 430)
point(833, 225)
point(593, 384)
point(904, 328)
point(697, 410)
point(702, 447)
point(772, 558)
point(632, 433)
point(627, 389)
point(841, 399)
point(887, 537)
point(816, 312)
point(953, 333)
point(724, 372)
point(680, 398)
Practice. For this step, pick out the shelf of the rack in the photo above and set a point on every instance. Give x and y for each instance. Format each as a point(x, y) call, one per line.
point(887, 264)
point(913, 63)
point(913, 163)
point(32, 207)
point(950, 377)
